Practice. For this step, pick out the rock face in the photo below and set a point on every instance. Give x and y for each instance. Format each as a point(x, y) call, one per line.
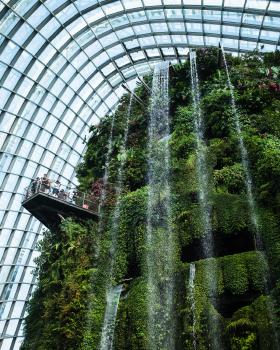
point(227, 299)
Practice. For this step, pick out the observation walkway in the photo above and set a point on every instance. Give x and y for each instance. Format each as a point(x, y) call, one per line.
point(51, 208)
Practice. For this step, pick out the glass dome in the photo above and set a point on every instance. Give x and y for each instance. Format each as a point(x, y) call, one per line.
point(62, 67)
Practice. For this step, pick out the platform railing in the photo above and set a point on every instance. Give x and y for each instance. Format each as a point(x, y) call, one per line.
point(69, 195)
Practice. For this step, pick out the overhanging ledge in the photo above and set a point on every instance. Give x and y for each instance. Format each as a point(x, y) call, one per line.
point(51, 210)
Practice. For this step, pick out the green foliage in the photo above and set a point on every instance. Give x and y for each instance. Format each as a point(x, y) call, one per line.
point(236, 274)
point(219, 113)
point(230, 179)
point(132, 316)
point(230, 213)
point(65, 269)
point(67, 309)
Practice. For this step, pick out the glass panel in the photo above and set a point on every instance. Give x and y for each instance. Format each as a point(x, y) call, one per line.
point(230, 43)
point(137, 16)
point(213, 2)
point(66, 13)
point(35, 70)
point(5, 161)
point(112, 8)
point(234, 3)
point(195, 40)
point(155, 14)
point(47, 54)
point(272, 21)
point(38, 16)
point(61, 39)
point(8, 22)
point(269, 35)
point(35, 44)
point(266, 47)
point(174, 13)
point(232, 16)
point(250, 32)
point(114, 51)
point(212, 15)
point(128, 4)
point(25, 87)
point(192, 14)
point(139, 55)
point(231, 30)
point(152, 2)
point(9, 52)
point(22, 6)
point(274, 6)
point(247, 45)
point(194, 27)
point(257, 4)
point(119, 21)
point(50, 27)
point(30, 169)
point(6, 122)
point(159, 27)
point(53, 4)
point(122, 61)
point(212, 28)
point(252, 19)
point(22, 33)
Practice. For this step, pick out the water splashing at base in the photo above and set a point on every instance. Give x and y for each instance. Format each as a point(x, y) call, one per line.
point(112, 298)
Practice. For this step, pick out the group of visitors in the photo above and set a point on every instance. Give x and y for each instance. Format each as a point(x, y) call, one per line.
point(51, 187)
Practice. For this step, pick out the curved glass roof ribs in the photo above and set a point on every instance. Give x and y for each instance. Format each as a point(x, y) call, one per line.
point(62, 66)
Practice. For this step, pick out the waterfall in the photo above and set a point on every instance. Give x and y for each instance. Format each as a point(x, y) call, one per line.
point(107, 338)
point(160, 257)
point(203, 190)
point(107, 335)
point(89, 321)
point(192, 300)
point(119, 190)
point(250, 196)
point(244, 160)
point(201, 163)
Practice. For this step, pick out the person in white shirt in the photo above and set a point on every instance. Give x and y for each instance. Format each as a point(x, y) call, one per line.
point(56, 187)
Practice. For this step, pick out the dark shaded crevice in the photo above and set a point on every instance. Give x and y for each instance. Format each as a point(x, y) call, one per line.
point(227, 304)
point(224, 245)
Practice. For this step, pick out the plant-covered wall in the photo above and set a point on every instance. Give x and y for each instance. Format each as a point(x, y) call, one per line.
point(67, 309)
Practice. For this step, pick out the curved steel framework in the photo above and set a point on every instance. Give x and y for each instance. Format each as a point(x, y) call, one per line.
point(62, 66)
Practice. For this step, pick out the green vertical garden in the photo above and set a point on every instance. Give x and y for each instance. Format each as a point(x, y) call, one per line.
point(67, 309)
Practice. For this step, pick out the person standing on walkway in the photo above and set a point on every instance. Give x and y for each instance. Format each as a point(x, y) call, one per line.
point(56, 188)
point(45, 184)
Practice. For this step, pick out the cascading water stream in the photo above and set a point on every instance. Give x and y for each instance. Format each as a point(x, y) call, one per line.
point(244, 160)
point(107, 336)
point(203, 190)
point(119, 190)
point(250, 197)
point(192, 301)
point(160, 257)
point(201, 163)
point(113, 298)
point(100, 219)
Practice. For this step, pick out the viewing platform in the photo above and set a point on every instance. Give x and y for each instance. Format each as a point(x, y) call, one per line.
point(50, 209)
